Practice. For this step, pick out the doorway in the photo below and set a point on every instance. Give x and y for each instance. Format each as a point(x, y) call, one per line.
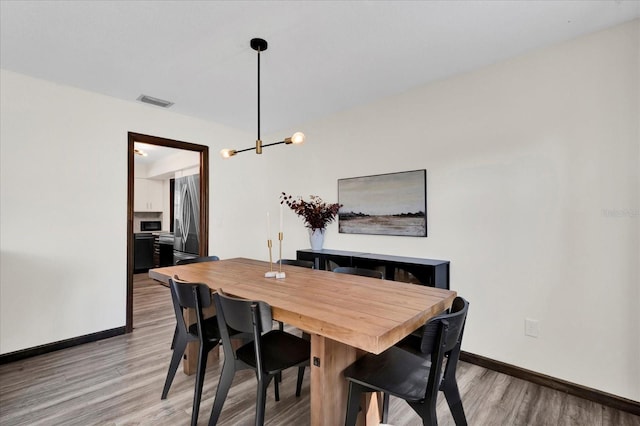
point(204, 204)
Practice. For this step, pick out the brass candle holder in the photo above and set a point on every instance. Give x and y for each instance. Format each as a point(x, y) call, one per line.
point(271, 272)
point(280, 274)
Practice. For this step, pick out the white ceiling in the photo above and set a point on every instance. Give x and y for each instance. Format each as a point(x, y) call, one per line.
point(323, 56)
point(158, 153)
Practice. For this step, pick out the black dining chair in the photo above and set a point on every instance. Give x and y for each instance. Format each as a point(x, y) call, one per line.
point(372, 273)
point(270, 352)
point(296, 262)
point(197, 260)
point(204, 332)
point(415, 375)
point(186, 262)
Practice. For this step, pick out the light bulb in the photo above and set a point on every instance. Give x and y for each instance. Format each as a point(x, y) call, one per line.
point(227, 153)
point(297, 138)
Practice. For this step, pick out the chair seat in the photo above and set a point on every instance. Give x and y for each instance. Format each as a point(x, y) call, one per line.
point(394, 371)
point(211, 331)
point(280, 350)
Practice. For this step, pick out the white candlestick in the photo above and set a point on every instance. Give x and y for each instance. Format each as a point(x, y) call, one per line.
point(280, 217)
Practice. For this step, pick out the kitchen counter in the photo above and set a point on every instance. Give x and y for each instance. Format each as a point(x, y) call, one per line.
point(154, 232)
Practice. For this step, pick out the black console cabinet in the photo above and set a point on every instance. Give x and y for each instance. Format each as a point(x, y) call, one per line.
point(429, 272)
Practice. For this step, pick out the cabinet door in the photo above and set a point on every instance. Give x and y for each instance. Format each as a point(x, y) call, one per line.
point(140, 195)
point(147, 195)
point(154, 195)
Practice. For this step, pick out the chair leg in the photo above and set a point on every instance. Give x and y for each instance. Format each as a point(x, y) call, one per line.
point(385, 407)
point(452, 395)
point(197, 393)
point(175, 334)
point(430, 419)
point(353, 404)
point(224, 384)
point(276, 387)
point(261, 398)
point(176, 357)
point(427, 412)
point(300, 377)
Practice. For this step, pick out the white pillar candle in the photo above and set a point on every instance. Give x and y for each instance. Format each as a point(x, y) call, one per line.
point(280, 217)
point(268, 227)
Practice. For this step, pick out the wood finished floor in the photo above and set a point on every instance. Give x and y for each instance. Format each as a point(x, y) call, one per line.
point(118, 381)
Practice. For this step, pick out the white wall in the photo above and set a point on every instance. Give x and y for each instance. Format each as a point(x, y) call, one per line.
point(526, 161)
point(63, 205)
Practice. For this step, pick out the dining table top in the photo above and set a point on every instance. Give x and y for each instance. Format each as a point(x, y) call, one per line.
point(365, 313)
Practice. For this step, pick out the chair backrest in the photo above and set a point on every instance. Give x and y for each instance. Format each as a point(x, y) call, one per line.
point(236, 313)
point(455, 320)
point(372, 273)
point(441, 337)
point(296, 262)
point(197, 260)
point(186, 294)
point(242, 315)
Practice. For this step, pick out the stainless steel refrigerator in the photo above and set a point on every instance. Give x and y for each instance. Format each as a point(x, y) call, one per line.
point(186, 228)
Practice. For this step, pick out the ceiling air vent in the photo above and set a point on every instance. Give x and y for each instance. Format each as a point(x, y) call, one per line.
point(154, 101)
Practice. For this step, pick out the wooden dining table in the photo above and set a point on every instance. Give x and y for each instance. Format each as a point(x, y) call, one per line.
point(346, 316)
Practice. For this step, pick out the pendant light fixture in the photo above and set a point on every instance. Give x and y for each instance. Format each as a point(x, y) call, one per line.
point(260, 45)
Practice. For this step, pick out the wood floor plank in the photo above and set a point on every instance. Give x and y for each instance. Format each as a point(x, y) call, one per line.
point(620, 418)
point(118, 381)
point(541, 406)
point(578, 411)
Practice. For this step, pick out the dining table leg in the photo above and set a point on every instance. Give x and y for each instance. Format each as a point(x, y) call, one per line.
point(329, 388)
point(190, 362)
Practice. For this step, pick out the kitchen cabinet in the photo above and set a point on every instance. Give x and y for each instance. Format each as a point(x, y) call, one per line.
point(147, 195)
point(163, 250)
point(143, 252)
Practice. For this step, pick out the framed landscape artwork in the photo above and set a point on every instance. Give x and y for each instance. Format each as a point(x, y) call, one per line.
point(388, 204)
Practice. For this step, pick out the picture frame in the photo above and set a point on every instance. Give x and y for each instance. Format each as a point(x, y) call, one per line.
point(385, 204)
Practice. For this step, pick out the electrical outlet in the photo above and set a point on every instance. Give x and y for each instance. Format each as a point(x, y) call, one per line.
point(531, 327)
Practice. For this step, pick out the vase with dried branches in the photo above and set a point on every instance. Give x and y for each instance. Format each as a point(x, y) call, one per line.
point(315, 212)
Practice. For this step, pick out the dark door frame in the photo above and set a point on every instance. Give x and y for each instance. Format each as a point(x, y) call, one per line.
point(204, 203)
